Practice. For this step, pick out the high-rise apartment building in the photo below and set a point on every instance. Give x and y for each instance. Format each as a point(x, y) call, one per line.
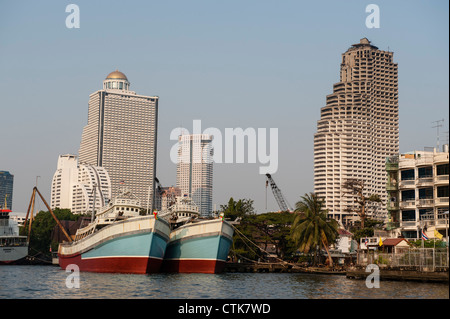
point(195, 170)
point(79, 187)
point(418, 193)
point(6, 189)
point(120, 136)
point(357, 130)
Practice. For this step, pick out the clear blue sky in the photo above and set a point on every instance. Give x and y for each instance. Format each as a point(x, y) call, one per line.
point(258, 64)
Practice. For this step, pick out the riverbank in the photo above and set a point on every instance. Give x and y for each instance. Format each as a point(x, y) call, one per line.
point(399, 274)
point(391, 273)
point(280, 268)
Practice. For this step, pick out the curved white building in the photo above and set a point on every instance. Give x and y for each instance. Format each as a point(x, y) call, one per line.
point(74, 185)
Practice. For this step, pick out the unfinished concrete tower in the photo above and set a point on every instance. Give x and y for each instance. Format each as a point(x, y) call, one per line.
point(357, 130)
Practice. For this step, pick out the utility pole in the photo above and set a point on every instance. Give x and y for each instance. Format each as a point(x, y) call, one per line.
point(438, 125)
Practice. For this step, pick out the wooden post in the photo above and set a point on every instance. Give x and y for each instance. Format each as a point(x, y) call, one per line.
point(33, 198)
point(28, 211)
point(54, 217)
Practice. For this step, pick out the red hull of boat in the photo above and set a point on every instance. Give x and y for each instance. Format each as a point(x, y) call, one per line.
point(193, 266)
point(128, 265)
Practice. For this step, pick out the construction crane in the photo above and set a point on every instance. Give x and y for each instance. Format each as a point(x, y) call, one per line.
point(282, 203)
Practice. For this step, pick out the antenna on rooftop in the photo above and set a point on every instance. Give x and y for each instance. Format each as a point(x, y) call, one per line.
point(438, 125)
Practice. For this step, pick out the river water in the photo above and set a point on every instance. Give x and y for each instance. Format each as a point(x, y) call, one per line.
point(44, 282)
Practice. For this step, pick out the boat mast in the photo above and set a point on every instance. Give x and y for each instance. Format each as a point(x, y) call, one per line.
point(93, 204)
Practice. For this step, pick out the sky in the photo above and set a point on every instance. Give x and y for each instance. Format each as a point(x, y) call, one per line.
point(230, 64)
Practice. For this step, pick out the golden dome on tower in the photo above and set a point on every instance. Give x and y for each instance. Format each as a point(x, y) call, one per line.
point(117, 75)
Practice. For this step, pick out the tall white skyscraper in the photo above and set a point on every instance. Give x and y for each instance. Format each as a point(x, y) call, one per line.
point(195, 170)
point(76, 186)
point(121, 136)
point(357, 130)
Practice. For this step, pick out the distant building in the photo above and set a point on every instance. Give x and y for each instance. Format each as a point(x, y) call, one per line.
point(195, 170)
point(357, 130)
point(120, 136)
point(166, 197)
point(74, 186)
point(6, 189)
point(418, 188)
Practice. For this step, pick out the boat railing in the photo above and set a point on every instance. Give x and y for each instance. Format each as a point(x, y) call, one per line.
point(87, 235)
point(86, 231)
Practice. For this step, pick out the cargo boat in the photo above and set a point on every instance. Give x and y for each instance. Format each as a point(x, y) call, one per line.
point(196, 245)
point(118, 240)
point(13, 248)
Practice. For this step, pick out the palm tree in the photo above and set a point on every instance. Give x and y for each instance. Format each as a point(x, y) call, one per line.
point(311, 227)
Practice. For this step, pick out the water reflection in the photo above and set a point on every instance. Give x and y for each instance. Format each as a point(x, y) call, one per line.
point(50, 282)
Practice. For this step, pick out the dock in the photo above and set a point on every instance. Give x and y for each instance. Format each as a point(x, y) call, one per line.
point(386, 273)
point(279, 268)
point(398, 274)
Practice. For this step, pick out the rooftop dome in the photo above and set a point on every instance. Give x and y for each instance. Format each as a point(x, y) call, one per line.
point(117, 75)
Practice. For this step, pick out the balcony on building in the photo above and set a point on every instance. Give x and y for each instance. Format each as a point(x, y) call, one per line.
point(425, 176)
point(391, 185)
point(407, 161)
point(442, 173)
point(425, 197)
point(392, 163)
point(407, 178)
point(426, 217)
point(442, 217)
point(407, 199)
point(392, 204)
point(408, 218)
point(442, 196)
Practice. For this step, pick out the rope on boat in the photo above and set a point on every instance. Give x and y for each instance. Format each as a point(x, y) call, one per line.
point(284, 263)
point(36, 258)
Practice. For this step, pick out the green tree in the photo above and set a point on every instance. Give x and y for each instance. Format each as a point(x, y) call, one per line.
point(430, 243)
point(367, 231)
point(255, 232)
point(312, 229)
point(240, 208)
point(273, 229)
point(42, 227)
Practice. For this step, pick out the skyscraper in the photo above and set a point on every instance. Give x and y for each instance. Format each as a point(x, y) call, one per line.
point(195, 170)
point(76, 186)
point(357, 130)
point(6, 189)
point(120, 136)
